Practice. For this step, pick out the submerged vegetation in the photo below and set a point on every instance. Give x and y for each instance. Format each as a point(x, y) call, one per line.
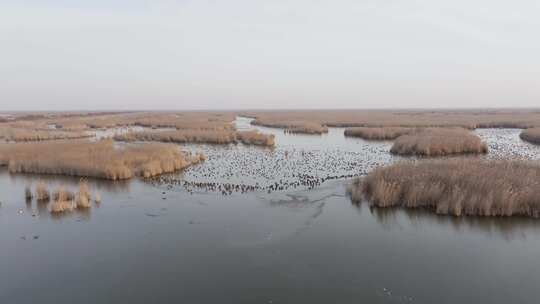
point(531, 135)
point(95, 159)
point(439, 142)
point(382, 133)
point(456, 187)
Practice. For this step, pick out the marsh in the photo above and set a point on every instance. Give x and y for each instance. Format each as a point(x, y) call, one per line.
point(168, 239)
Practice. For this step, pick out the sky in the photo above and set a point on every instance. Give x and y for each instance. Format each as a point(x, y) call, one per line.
point(274, 54)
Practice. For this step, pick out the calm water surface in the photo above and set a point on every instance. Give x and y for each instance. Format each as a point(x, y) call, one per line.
point(148, 243)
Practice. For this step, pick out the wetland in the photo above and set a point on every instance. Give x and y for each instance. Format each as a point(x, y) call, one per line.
point(266, 225)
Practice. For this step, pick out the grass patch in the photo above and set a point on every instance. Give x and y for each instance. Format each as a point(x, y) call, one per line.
point(455, 187)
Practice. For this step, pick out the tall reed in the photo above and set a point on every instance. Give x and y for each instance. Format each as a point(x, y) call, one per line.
point(383, 133)
point(456, 187)
point(96, 159)
point(439, 142)
point(305, 127)
point(255, 138)
point(469, 119)
point(200, 136)
point(42, 193)
point(181, 136)
point(63, 201)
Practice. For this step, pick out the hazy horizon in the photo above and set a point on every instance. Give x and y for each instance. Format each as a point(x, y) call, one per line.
point(239, 54)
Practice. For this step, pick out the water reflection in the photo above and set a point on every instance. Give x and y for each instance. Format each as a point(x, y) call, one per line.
point(54, 181)
point(508, 228)
point(42, 208)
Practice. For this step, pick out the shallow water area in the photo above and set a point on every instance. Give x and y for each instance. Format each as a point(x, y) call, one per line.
point(298, 161)
point(158, 242)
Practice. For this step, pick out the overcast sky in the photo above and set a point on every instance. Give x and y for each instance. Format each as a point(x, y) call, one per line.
point(219, 54)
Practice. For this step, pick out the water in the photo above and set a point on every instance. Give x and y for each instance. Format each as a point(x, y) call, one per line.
point(149, 243)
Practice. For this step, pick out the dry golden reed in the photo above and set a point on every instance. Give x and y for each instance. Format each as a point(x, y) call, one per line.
point(307, 121)
point(62, 194)
point(65, 200)
point(382, 133)
point(305, 127)
point(82, 121)
point(456, 187)
point(439, 142)
point(255, 138)
point(95, 159)
point(83, 197)
point(200, 136)
point(531, 135)
point(42, 193)
point(61, 206)
point(62, 200)
point(97, 198)
point(180, 136)
point(469, 119)
point(27, 134)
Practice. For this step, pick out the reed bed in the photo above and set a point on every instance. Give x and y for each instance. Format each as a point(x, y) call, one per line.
point(255, 138)
point(455, 187)
point(304, 127)
point(180, 136)
point(65, 200)
point(469, 119)
point(62, 194)
point(204, 120)
point(83, 197)
point(383, 133)
point(439, 142)
point(42, 193)
point(95, 159)
point(61, 206)
point(200, 136)
point(296, 121)
point(531, 135)
point(62, 201)
point(27, 135)
point(189, 121)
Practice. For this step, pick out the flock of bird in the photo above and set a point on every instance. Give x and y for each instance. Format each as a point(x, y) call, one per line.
point(505, 144)
point(241, 169)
